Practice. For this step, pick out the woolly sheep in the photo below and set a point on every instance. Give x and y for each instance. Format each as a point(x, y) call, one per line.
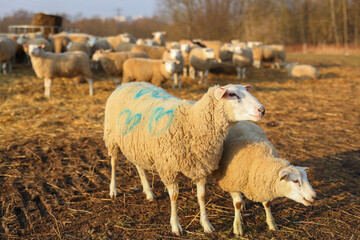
point(172, 45)
point(7, 54)
point(48, 65)
point(280, 54)
point(25, 42)
point(242, 59)
point(78, 46)
point(250, 165)
point(257, 55)
point(112, 62)
point(226, 52)
point(154, 52)
point(148, 70)
point(302, 71)
point(214, 45)
point(185, 52)
point(79, 37)
point(125, 47)
point(157, 131)
point(176, 56)
point(201, 60)
point(114, 41)
point(159, 38)
point(59, 43)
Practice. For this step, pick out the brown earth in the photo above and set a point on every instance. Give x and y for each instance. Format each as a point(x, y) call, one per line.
point(55, 173)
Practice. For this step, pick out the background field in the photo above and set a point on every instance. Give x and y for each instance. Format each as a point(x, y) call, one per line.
point(55, 173)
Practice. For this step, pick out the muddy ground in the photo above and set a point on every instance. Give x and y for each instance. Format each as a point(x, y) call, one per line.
point(55, 171)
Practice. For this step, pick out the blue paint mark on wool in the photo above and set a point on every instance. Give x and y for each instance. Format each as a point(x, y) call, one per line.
point(130, 122)
point(155, 93)
point(156, 116)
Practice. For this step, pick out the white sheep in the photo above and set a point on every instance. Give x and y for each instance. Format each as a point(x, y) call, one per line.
point(242, 59)
point(59, 43)
point(157, 131)
point(125, 47)
point(114, 41)
point(155, 52)
point(48, 65)
point(302, 70)
point(148, 70)
point(201, 60)
point(250, 165)
point(159, 38)
point(7, 54)
point(112, 62)
point(176, 56)
point(78, 46)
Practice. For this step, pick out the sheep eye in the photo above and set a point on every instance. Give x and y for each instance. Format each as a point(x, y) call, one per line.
point(295, 181)
point(232, 95)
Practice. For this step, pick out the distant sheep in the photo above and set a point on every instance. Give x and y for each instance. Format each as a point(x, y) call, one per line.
point(176, 56)
point(153, 51)
point(302, 71)
point(159, 38)
point(59, 43)
point(201, 60)
point(242, 59)
point(172, 136)
point(48, 65)
point(78, 46)
point(7, 54)
point(114, 41)
point(250, 165)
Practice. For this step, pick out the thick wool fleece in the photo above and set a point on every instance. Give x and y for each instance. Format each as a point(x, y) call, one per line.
point(258, 52)
point(145, 70)
point(154, 52)
point(160, 132)
point(39, 41)
point(250, 163)
point(215, 46)
point(304, 71)
point(113, 62)
point(178, 66)
point(79, 46)
point(59, 43)
point(7, 49)
point(243, 60)
point(199, 61)
point(68, 65)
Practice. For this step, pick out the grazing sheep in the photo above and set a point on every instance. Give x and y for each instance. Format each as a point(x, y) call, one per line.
point(157, 131)
point(7, 54)
point(48, 65)
point(250, 165)
point(148, 70)
point(159, 38)
point(154, 52)
point(176, 56)
point(201, 60)
point(78, 46)
point(242, 59)
point(114, 41)
point(112, 62)
point(302, 71)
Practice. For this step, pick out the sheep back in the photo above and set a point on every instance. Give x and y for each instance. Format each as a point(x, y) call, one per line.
point(79, 46)
point(305, 71)
point(198, 60)
point(154, 52)
point(243, 60)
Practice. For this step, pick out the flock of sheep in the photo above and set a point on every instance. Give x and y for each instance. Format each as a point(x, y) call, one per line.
point(159, 132)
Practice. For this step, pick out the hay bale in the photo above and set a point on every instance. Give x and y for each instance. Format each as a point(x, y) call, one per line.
point(41, 19)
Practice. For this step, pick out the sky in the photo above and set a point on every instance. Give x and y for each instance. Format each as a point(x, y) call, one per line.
point(88, 8)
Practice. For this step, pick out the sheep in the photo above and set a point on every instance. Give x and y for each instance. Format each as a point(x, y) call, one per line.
point(172, 45)
point(25, 42)
point(78, 46)
point(50, 65)
point(146, 41)
point(185, 50)
point(226, 52)
point(302, 71)
point(257, 55)
point(59, 43)
point(125, 47)
point(175, 55)
point(112, 62)
point(280, 54)
point(114, 41)
point(154, 52)
point(242, 59)
point(157, 131)
point(159, 38)
point(201, 60)
point(148, 70)
point(214, 45)
point(79, 37)
point(250, 165)
point(7, 53)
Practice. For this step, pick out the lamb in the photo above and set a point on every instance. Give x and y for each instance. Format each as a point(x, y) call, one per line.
point(302, 71)
point(250, 165)
point(242, 59)
point(157, 131)
point(159, 38)
point(78, 46)
point(50, 65)
point(112, 62)
point(114, 41)
point(148, 70)
point(201, 60)
point(153, 51)
point(176, 56)
point(7, 53)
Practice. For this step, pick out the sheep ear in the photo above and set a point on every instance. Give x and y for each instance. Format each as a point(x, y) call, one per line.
point(305, 168)
point(283, 175)
point(219, 93)
point(249, 88)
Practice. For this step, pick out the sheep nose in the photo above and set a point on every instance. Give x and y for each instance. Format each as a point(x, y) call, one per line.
point(262, 110)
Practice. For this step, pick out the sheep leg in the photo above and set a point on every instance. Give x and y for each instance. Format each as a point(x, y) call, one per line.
point(173, 81)
point(145, 184)
point(238, 70)
point(117, 81)
point(192, 73)
point(47, 85)
point(113, 178)
point(204, 221)
point(269, 217)
point(238, 205)
point(201, 76)
point(4, 68)
point(173, 189)
point(10, 67)
point(91, 87)
point(185, 71)
point(205, 76)
point(244, 73)
point(179, 81)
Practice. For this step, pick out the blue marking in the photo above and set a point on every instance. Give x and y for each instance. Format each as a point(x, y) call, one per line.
point(130, 122)
point(155, 93)
point(156, 116)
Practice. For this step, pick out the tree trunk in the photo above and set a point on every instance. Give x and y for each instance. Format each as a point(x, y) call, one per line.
point(345, 27)
point(333, 21)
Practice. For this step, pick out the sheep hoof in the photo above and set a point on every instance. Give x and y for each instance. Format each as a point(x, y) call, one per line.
point(176, 229)
point(208, 228)
point(150, 197)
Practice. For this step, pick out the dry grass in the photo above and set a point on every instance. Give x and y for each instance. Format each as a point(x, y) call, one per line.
point(54, 168)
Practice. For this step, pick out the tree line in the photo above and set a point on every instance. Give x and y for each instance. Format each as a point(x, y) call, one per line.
point(270, 21)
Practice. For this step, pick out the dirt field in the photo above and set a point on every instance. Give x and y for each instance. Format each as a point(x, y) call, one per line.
point(55, 171)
